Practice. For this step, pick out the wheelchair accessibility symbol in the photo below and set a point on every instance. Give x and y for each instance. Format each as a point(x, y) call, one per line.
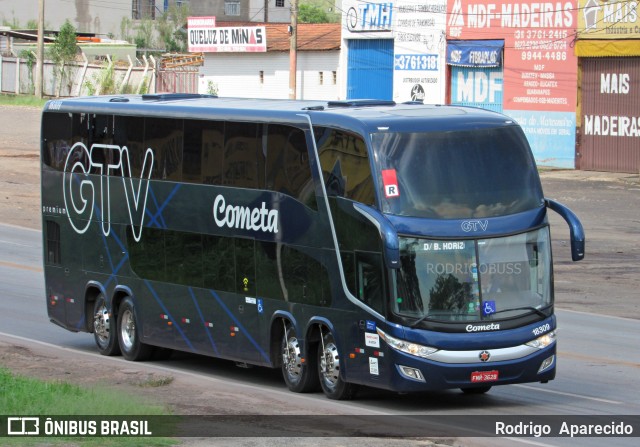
point(260, 306)
point(488, 307)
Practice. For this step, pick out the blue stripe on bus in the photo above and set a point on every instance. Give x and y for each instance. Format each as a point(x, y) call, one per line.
point(158, 218)
point(166, 311)
point(195, 302)
point(235, 320)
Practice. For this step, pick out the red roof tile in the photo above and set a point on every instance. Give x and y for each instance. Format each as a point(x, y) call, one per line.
point(311, 36)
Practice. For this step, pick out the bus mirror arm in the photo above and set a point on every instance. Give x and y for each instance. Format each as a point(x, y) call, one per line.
point(575, 228)
point(390, 243)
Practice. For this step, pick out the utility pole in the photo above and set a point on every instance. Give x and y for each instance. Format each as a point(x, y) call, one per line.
point(40, 50)
point(293, 49)
point(266, 11)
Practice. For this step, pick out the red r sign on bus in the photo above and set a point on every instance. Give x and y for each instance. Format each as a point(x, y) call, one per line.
point(390, 181)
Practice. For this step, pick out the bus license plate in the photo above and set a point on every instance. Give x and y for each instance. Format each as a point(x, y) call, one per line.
point(484, 376)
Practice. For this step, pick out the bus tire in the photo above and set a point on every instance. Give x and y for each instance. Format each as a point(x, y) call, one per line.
point(329, 371)
point(104, 328)
point(129, 334)
point(299, 373)
point(476, 390)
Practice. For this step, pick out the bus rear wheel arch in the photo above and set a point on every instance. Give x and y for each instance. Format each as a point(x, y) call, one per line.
point(329, 368)
point(298, 371)
point(129, 337)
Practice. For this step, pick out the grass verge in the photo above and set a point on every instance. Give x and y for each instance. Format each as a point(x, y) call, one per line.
point(22, 100)
point(23, 396)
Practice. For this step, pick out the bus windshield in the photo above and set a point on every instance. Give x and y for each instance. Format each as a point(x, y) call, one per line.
point(456, 174)
point(473, 280)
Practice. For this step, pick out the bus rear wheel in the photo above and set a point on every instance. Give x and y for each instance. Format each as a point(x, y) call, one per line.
point(104, 328)
point(329, 371)
point(129, 334)
point(298, 372)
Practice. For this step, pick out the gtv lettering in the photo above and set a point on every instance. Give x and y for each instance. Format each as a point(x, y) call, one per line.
point(474, 225)
point(79, 189)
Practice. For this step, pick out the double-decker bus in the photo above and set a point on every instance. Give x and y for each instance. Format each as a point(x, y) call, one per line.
point(349, 243)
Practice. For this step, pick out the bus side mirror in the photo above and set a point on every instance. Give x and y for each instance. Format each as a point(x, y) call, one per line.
point(576, 231)
point(388, 233)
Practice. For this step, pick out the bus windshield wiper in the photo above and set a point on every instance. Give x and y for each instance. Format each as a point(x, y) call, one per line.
point(419, 320)
point(531, 308)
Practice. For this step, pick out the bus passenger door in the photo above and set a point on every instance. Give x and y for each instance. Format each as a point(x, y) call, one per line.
point(248, 309)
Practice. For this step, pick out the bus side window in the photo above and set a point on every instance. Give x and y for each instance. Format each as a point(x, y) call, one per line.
point(287, 164)
point(53, 250)
point(242, 155)
point(345, 165)
point(129, 132)
point(270, 282)
point(183, 254)
point(192, 153)
point(219, 263)
point(370, 283)
point(164, 136)
point(212, 152)
point(56, 128)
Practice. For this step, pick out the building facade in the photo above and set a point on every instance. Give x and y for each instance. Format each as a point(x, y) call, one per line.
point(251, 73)
point(512, 57)
point(608, 49)
point(105, 18)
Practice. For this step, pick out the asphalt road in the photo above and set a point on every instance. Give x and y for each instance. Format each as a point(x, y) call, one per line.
point(598, 355)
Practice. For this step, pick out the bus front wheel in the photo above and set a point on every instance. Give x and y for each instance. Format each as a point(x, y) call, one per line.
point(329, 371)
point(104, 328)
point(298, 372)
point(129, 334)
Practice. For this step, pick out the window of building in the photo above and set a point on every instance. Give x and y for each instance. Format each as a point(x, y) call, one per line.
point(279, 3)
point(232, 8)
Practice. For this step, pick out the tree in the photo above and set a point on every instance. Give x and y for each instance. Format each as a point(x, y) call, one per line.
point(316, 12)
point(171, 28)
point(64, 49)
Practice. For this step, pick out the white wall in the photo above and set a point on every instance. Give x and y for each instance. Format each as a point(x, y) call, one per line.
point(238, 74)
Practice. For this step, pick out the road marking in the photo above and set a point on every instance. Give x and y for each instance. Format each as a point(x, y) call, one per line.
point(562, 393)
point(13, 265)
point(17, 244)
point(598, 359)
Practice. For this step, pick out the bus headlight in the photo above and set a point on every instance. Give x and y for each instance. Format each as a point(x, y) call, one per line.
point(407, 347)
point(543, 341)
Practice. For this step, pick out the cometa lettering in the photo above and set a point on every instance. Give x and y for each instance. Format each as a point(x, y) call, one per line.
point(483, 327)
point(243, 217)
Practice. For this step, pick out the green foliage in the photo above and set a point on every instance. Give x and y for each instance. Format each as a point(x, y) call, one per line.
point(212, 88)
point(126, 29)
point(171, 28)
point(22, 395)
point(105, 83)
point(21, 100)
point(64, 49)
point(144, 34)
point(316, 11)
point(30, 60)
